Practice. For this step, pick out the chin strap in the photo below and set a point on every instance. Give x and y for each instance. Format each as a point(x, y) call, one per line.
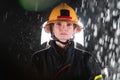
point(65, 43)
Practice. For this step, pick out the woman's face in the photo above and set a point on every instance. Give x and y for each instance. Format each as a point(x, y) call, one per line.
point(63, 30)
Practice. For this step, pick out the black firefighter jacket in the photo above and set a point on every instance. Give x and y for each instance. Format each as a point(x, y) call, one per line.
point(72, 63)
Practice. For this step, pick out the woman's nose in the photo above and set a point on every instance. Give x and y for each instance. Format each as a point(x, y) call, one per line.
point(64, 27)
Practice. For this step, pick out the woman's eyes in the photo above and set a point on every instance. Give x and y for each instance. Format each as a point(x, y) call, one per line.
point(60, 24)
point(69, 24)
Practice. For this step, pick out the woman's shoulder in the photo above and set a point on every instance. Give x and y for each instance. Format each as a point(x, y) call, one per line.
point(80, 48)
point(43, 48)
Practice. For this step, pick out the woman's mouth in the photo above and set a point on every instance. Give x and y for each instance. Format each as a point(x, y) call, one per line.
point(63, 33)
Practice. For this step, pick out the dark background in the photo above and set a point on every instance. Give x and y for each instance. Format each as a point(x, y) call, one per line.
point(20, 32)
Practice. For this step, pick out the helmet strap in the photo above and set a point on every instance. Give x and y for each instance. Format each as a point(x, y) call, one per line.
point(64, 43)
point(51, 28)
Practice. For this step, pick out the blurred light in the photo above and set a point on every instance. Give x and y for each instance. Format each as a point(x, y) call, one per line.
point(105, 72)
point(118, 5)
point(38, 5)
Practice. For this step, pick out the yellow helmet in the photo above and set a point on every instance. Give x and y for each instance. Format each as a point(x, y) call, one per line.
point(63, 12)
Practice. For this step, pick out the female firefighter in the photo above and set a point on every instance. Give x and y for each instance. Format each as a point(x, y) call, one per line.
point(62, 58)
